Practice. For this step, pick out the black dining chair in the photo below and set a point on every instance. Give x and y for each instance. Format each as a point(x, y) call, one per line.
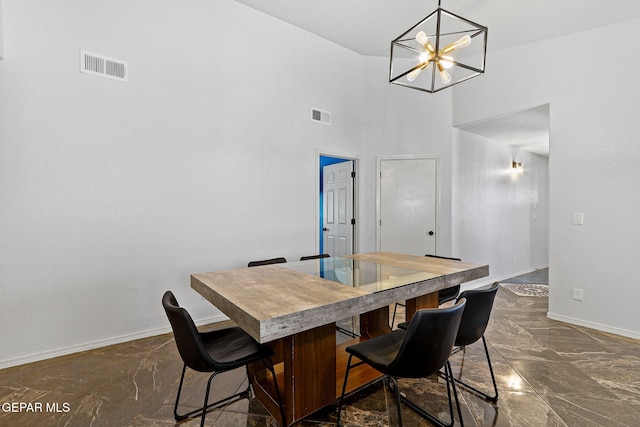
point(419, 351)
point(278, 260)
point(216, 351)
point(318, 256)
point(444, 295)
point(472, 327)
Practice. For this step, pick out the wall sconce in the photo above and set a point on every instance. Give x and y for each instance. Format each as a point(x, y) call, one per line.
point(516, 167)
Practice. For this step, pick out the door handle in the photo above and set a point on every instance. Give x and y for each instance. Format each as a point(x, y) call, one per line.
point(431, 233)
point(325, 229)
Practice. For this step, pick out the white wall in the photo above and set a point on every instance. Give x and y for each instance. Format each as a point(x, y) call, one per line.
point(113, 192)
point(593, 170)
point(500, 218)
point(402, 121)
point(1, 34)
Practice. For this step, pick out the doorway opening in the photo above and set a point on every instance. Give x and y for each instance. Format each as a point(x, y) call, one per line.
point(336, 204)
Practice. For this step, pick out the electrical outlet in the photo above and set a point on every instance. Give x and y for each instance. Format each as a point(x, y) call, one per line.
point(578, 294)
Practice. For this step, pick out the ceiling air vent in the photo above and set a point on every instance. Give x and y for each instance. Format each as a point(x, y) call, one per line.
point(321, 116)
point(100, 65)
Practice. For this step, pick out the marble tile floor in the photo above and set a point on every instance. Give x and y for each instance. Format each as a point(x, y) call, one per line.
point(540, 277)
point(548, 373)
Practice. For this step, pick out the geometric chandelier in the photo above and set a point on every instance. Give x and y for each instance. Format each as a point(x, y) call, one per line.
point(438, 52)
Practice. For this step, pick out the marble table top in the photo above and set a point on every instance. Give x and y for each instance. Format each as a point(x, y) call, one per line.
point(275, 301)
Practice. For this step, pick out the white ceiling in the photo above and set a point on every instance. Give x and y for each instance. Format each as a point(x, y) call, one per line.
point(368, 26)
point(527, 130)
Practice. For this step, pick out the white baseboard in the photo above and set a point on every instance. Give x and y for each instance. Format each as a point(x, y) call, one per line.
point(593, 325)
point(99, 343)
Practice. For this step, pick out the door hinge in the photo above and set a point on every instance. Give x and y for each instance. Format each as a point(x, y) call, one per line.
point(353, 221)
point(353, 174)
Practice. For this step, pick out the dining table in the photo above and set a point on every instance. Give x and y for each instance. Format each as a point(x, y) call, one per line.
point(293, 307)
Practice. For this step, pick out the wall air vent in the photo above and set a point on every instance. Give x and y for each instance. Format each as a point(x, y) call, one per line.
point(321, 116)
point(100, 65)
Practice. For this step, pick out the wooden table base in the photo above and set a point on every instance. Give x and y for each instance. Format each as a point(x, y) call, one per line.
point(310, 366)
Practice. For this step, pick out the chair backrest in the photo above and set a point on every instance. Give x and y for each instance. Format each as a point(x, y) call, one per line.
point(476, 315)
point(304, 258)
point(428, 341)
point(443, 257)
point(451, 293)
point(278, 260)
point(187, 337)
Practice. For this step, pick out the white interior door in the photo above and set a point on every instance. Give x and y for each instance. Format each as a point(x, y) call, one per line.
point(408, 205)
point(337, 226)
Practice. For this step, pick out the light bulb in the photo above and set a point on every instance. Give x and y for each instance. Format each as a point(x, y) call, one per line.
point(412, 75)
point(461, 42)
point(415, 73)
point(424, 57)
point(446, 61)
point(445, 77)
point(422, 38)
point(430, 48)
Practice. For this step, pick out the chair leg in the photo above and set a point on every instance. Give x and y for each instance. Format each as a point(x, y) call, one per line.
point(346, 332)
point(448, 375)
point(177, 416)
point(486, 396)
point(206, 400)
point(275, 384)
point(398, 398)
point(393, 318)
point(494, 398)
point(455, 394)
point(344, 388)
point(205, 408)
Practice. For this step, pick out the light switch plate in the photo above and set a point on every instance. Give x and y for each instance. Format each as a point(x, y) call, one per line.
point(578, 218)
point(578, 294)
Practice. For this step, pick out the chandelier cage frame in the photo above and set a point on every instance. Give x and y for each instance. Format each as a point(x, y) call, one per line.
point(449, 27)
